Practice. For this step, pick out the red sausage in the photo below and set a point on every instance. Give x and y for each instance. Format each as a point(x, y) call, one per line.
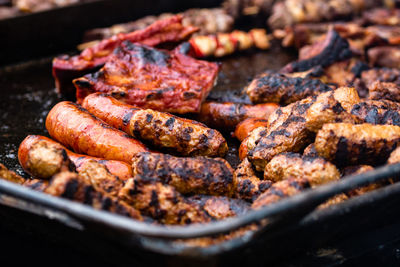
point(75, 127)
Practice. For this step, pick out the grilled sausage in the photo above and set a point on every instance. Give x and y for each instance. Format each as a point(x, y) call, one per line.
point(200, 175)
point(227, 115)
point(115, 167)
point(163, 130)
point(347, 144)
point(315, 169)
point(75, 127)
point(244, 128)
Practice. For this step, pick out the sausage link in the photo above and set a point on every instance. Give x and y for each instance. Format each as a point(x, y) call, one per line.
point(75, 127)
point(118, 168)
point(177, 135)
point(244, 128)
point(227, 115)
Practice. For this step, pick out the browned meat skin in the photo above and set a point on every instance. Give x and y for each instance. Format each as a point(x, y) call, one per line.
point(163, 130)
point(36, 184)
point(44, 160)
point(391, 75)
point(280, 190)
point(290, 12)
point(75, 127)
point(199, 175)
point(310, 151)
point(389, 33)
point(227, 115)
point(344, 72)
point(382, 90)
point(347, 144)
point(394, 156)
point(219, 208)
point(315, 169)
point(70, 186)
point(209, 21)
point(146, 77)
point(282, 89)
point(11, 176)
point(331, 49)
point(333, 201)
point(382, 16)
point(377, 112)
point(244, 128)
point(384, 56)
point(290, 129)
point(239, 8)
point(249, 186)
point(161, 202)
point(358, 169)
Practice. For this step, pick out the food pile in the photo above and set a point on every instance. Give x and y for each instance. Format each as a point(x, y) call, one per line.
point(118, 147)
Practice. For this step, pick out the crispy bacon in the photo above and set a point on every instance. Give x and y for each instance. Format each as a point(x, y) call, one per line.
point(150, 78)
point(66, 68)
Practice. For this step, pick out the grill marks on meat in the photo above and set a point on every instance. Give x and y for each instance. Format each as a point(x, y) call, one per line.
point(66, 68)
point(199, 175)
point(315, 169)
point(162, 130)
point(347, 144)
point(119, 168)
point(291, 128)
point(331, 49)
point(249, 186)
point(227, 115)
point(70, 186)
point(282, 89)
point(150, 78)
point(75, 127)
point(377, 112)
point(280, 190)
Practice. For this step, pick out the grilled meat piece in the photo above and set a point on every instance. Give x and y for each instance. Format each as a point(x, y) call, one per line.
point(315, 169)
point(161, 202)
point(288, 12)
point(310, 151)
point(384, 91)
point(389, 33)
point(223, 44)
point(333, 201)
point(227, 115)
point(199, 175)
point(119, 168)
point(239, 8)
point(385, 56)
point(282, 89)
point(11, 176)
point(150, 78)
point(244, 128)
point(75, 127)
point(382, 16)
point(347, 144)
point(331, 49)
point(249, 186)
point(66, 68)
point(209, 21)
point(380, 74)
point(344, 72)
point(29, 6)
point(219, 208)
point(43, 160)
point(70, 186)
point(290, 129)
point(280, 190)
point(162, 130)
point(394, 156)
point(377, 112)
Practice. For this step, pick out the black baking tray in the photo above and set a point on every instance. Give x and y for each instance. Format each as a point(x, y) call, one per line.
point(294, 225)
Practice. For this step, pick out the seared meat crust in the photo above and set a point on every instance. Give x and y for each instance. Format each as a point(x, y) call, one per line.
point(347, 144)
point(315, 169)
point(384, 91)
point(377, 112)
point(199, 175)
